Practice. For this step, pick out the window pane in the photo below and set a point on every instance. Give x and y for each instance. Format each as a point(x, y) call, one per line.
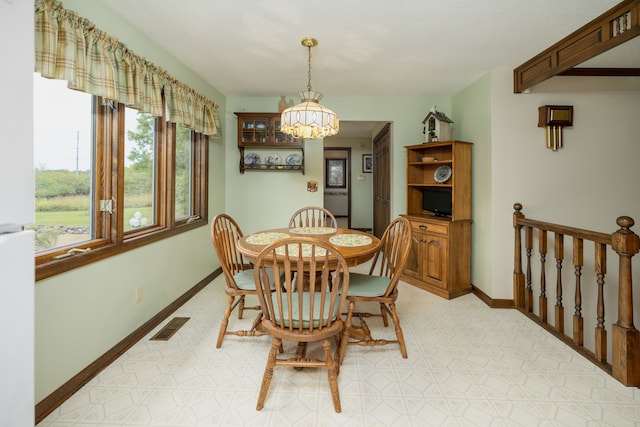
point(183, 173)
point(140, 166)
point(63, 138)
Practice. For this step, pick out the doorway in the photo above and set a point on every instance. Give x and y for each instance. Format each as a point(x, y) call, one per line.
point(337, 184)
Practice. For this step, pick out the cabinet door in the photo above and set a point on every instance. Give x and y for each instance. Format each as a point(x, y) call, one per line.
point(278, 136)
point(414, 264)
point(255, 129)
point(435, 261)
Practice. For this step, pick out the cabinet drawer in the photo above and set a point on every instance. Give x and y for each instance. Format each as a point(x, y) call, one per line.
point(422, 227)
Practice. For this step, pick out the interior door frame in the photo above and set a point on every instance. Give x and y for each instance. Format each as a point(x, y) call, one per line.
point(348, 174)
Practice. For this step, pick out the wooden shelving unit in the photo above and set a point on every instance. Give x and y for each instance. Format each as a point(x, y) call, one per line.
point(440, 258)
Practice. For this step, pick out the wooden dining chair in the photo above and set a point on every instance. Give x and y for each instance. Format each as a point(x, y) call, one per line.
point(381, 286)
point(313, 216)
point(238, 274)
point(300, 310)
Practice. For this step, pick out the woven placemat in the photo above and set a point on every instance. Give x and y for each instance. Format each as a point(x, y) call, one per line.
point(350, 240)
point(265, 238)
point(312, 230)
point(306, 250)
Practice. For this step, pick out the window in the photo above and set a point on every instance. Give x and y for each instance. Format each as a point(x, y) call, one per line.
point(63, 153)
point(183, 173)
point(140, 169)
point(109, 178)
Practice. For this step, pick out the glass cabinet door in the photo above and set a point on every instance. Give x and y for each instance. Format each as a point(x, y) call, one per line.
point(255, 130)
point(278, 135)
point(258, 129)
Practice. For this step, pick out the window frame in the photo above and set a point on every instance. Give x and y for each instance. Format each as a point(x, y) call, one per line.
point(108, 182)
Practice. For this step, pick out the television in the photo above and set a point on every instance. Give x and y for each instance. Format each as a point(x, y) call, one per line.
point(436, 201)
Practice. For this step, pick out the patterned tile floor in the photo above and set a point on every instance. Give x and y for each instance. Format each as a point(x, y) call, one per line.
point(468, 365)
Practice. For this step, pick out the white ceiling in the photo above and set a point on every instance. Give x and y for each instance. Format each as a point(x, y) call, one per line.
point(366, 48)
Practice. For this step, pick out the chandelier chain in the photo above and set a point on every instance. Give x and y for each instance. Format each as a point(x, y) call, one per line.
point(309, 74)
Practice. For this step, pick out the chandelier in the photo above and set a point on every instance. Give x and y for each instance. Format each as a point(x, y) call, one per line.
point(309, 119)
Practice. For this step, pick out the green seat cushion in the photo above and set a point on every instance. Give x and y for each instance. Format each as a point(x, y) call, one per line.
point(305, 310)
point(364, 285)
point(244, 279)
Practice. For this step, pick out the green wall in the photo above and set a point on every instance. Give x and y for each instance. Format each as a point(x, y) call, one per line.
point(471, 112)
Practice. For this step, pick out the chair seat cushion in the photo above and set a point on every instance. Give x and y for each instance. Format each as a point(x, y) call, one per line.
point(364, 285)
point(305, 310)
point(244, 279)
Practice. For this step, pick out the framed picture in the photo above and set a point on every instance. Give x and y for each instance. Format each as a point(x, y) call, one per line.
point(367, 163)
point(336, 173)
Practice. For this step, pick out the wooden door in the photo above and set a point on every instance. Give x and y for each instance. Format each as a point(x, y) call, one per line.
point(381, 182)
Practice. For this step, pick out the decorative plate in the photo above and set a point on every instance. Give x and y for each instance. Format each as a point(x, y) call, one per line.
point(272, 160)
point(251, 159)
point(293, 159)
point(442, 174)
point(312, 230)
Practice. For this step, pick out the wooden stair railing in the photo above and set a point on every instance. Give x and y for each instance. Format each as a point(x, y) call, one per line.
point(624, 363)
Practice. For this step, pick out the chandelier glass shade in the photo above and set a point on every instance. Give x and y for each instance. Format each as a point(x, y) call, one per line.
point(309, 119)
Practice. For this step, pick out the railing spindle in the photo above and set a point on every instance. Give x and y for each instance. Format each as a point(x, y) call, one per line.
point(528, 296)
point(578, 321)
point(559, 254)
point(542, 301)
point(600, 331)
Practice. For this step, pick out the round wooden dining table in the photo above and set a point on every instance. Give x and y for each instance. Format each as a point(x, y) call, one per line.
point(355, 246)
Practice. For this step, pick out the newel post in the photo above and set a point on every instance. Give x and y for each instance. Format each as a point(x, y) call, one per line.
point(625, 337)
point(518, 276)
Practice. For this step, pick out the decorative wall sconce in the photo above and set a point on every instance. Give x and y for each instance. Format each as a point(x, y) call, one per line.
point(554, 118)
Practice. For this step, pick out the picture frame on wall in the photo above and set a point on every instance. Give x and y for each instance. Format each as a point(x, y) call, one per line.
point(367, 163)
point(336, 170)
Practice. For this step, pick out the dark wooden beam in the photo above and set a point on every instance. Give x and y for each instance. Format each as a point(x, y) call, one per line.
point(591, 40)
point(611, 72)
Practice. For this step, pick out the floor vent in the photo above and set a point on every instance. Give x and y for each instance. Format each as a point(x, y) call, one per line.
point(169, 329)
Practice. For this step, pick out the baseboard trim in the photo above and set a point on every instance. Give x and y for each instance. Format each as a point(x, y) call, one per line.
point(493, 303)
point(65, 391)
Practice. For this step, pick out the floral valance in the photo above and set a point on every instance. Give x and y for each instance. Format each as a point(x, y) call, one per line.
point(69, 47)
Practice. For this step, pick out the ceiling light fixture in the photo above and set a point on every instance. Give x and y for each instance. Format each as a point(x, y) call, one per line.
point(309, 119)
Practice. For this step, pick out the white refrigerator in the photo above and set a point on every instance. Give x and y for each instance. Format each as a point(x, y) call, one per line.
point(16, 209)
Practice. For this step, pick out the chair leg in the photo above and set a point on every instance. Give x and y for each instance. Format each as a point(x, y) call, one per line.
point(241, 307)
point(225, 321)
point(332, 374)
point(276, 344)
point(383, 314)
point(345, 334)
point(399, 334)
